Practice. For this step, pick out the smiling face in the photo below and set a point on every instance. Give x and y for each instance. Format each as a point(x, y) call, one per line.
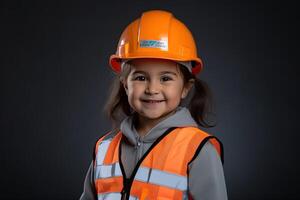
point(154, 88)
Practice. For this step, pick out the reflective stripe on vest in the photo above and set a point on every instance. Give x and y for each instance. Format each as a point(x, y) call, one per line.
point(161, 178)
point(144, 174)
point(103, 146)
point(107, 171)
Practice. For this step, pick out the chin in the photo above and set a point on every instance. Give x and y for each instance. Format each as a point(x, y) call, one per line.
point(152, 115)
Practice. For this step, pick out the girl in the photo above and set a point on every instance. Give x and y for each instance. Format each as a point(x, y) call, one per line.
point(156, 149)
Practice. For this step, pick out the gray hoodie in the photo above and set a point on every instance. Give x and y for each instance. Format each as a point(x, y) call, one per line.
point(206, 179)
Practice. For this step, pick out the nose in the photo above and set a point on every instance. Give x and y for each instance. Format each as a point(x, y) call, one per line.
point(152, 88)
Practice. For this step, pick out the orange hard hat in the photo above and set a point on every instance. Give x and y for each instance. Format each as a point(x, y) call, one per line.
point(157, 34)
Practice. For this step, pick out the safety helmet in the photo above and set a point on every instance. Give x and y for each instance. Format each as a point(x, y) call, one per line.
point(156, 34)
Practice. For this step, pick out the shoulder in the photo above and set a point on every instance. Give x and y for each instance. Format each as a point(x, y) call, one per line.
point(207, 156)
point(207, 143)
point(194, 130)
point(208, 151)
point(108, 136)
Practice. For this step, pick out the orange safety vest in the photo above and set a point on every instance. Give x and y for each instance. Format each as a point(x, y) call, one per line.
point(162, 172)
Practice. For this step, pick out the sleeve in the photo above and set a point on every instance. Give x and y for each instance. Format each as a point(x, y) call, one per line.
point(206, 176)
point(89, 192)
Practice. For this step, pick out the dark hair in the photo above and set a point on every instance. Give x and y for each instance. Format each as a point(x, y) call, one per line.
point(199, 100)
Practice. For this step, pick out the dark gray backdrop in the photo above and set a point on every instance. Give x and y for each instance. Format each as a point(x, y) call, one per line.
point(55, 78)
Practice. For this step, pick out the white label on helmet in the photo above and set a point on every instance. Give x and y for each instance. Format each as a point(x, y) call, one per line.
point(162, 44)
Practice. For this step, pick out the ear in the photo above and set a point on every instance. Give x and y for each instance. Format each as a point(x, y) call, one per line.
point(124, 83)
point(188, 86)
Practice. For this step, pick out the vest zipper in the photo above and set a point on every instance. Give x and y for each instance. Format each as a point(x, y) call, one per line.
point(139, 149)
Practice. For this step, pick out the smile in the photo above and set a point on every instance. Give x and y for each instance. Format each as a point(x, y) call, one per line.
point(153, 101)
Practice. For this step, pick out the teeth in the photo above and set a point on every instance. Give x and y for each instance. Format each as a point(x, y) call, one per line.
point(151, 101)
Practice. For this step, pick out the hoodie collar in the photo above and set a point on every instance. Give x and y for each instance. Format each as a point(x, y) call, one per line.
point(181, 118)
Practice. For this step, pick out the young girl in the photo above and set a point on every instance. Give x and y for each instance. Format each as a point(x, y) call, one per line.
point(156, 149)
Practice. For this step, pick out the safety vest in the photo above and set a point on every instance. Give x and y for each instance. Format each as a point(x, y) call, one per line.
point(162, 172)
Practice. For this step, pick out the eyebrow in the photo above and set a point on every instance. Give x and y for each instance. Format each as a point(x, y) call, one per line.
point(161, 73)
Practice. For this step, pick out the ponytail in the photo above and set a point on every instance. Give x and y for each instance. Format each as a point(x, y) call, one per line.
point(200, 105)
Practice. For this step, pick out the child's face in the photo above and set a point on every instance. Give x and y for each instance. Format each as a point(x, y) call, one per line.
point(154, 87)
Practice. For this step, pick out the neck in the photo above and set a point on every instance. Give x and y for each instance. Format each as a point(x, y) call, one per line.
point(144, 125)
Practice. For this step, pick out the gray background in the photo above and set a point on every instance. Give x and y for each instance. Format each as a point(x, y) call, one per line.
point(55, 78)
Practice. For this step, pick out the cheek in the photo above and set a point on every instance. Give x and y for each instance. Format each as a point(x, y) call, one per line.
point(134, 91)
point(175, 91)
point(173, 95)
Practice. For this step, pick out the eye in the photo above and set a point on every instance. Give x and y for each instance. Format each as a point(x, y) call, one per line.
point(166, 78)
point(139, 78)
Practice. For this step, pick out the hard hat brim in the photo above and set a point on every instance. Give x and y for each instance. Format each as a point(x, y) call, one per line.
point(115, 62)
